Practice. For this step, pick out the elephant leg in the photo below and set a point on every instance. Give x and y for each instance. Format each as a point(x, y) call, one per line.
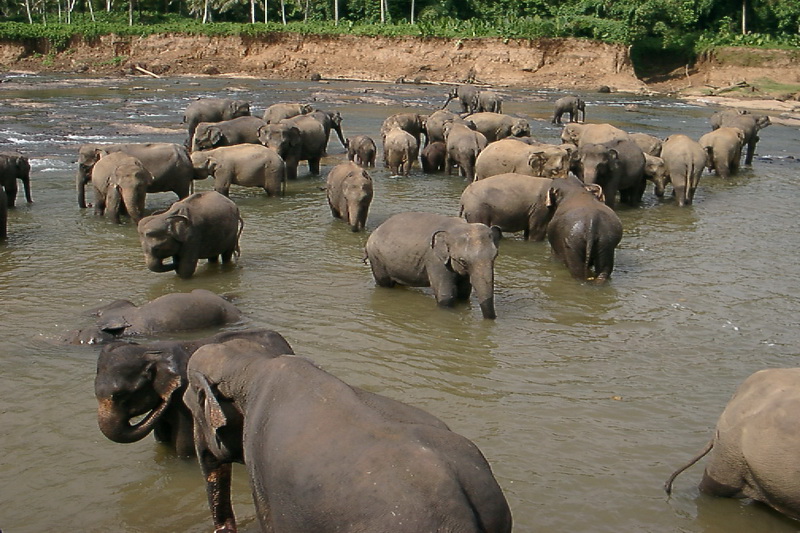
point(11, 192)
point(313, 166)
point(185, 265)
point(463, 288)
point(182, 189)
point(751, 150)
point(99, 202)
point(113, 202)
point(381, 275)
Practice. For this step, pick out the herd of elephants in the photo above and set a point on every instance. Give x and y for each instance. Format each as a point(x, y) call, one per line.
point(243, 396)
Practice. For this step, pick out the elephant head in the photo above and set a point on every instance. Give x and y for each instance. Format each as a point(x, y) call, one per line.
point(207, 136)
point(238, 108)
point(162, 236)
point(550, 162)
point(656, 171)
point(88, 155)
point(520, 128)
point(597, 160)
point(284, 138)
point(203, 164)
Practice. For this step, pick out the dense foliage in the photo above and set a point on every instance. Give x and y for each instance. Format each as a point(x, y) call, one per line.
point(686, 26)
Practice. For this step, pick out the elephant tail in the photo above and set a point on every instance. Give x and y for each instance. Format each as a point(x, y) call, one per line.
point(238, 250)
point(703, 453)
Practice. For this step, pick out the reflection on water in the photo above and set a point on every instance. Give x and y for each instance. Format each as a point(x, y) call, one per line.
point(583, 398)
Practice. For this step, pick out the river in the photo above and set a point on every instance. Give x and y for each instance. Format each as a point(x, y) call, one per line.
point(583, 399)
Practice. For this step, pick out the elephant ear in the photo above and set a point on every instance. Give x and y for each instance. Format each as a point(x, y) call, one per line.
point(215, 136)
point(180, 225)
point(552, 198)
point(213, 417)
point(596, 190)
point(168, 377)
point(440, 248)
point(211, 165)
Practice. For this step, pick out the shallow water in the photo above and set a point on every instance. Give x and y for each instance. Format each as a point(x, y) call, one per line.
point(583, 399)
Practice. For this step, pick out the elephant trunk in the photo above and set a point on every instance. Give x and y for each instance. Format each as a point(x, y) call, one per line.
point(115, 424)
point(26, 183)
point(80, 182)
point(483, 285)
point(156, 264)
point(342, 140)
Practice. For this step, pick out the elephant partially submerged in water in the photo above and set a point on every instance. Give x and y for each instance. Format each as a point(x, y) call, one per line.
point(213, 110)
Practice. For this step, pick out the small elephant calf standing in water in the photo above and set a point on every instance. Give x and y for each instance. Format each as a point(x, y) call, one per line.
point(349, 191)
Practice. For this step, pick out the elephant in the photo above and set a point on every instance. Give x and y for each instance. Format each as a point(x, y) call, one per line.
point(238, 130)
point(400, 150)
point(362, 150)
point(434, 124)
point(496, 126)
point(617, 166)
point(277, 112)
point(326, 457)
point(120, 184)
point(468, 97)
point(301, 138)
point(149, 379)
point(755, 444)
point(512, 202)
point(247, 165)
point(330, 120)
point(749, 124)
point(206, 225)
point(13, 167)
point(433, 157)
point(490, 101)
point(655, 170)
point(168, 163)
point(648, 143)
point(580, 134)
point(413, 123)
point(3, 217)
point(448, 254)
point(463, 146)
point(574, 105)
point(171, 312)
point(723, 148)
point(213, 110)
point(685, 160)
point(512, 155)
point(349, 192)
point(583, 231)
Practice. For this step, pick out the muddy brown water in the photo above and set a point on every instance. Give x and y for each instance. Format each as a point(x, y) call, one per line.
point(583, 399)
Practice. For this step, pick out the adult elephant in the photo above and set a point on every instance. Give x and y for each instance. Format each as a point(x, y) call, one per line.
point(413, 123)
point(490, 101)
point(583, 232)
point(400, 150)
point(361, 149)
point(277, 112)
point(149, 380)
point(213, 110)
point(648, 143)
point(496, 126)
point(750, 124)
point(349, 191)
point(168, 163)
point(723, 148)
point(463, 145)
point(179, 311)
point(512, 155)
point(206, 225)
point(301, 138)
point(120, 184)
point(467, 96)
point(685, 160)
point(580, 134)
point(447, 254)
point(755, 444)
point(247, 165)
point(512, 202)
point(13, 167)
point(392, 467)
point(617, 166)
point(239, 130)
point(434, 124)
point(575, 106)
point(330, 120)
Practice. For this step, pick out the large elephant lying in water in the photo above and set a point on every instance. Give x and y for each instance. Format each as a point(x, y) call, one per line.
point(326, 457)
point(149, 379)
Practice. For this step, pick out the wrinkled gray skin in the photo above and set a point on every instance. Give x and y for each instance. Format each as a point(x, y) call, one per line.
point(685, 160)
point(178, 311)
point(512, 155)
point(301, 138)
point(413, 123)
point(120, 184)
point(400, 150)
point(434, 124)
point(580, 134)
point(649, 144)
point(213, 110)
point(247, 165)
point(362, 150)
point(655, 170)
point(750, 125)
point(496, 126)
point(206, 225)
point(723, 148)
point(467, 95)
point(277, 112)
point(133, 380)
point(490, 101)
point(390, 466)
point(433, 157)
point(239, 130)
point(756, 444)
point(512, 202)
point(13, 167)
point(349, 192)
point(463, 146)
point(583, 232)
point(330, 120)
point(617, 166)
point(168, 163)
point(573, 105)
point(447, 254)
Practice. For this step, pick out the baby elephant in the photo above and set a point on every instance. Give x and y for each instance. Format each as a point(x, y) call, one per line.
point(361, 149)
point(755, 446)
point(447, 254)
point(349, 192)
point(326, 457)
point(120, 184)
point(206, 225)
point(248, 165)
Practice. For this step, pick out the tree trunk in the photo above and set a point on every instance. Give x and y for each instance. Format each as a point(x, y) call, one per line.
point(336, 12)
point(130, 12)
point(28, 11)
point(744, 17)
point(412, 11)
point(265, 12)
point(91, 10)
point(283, 12)
point(383, 12)
point(252, 11)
